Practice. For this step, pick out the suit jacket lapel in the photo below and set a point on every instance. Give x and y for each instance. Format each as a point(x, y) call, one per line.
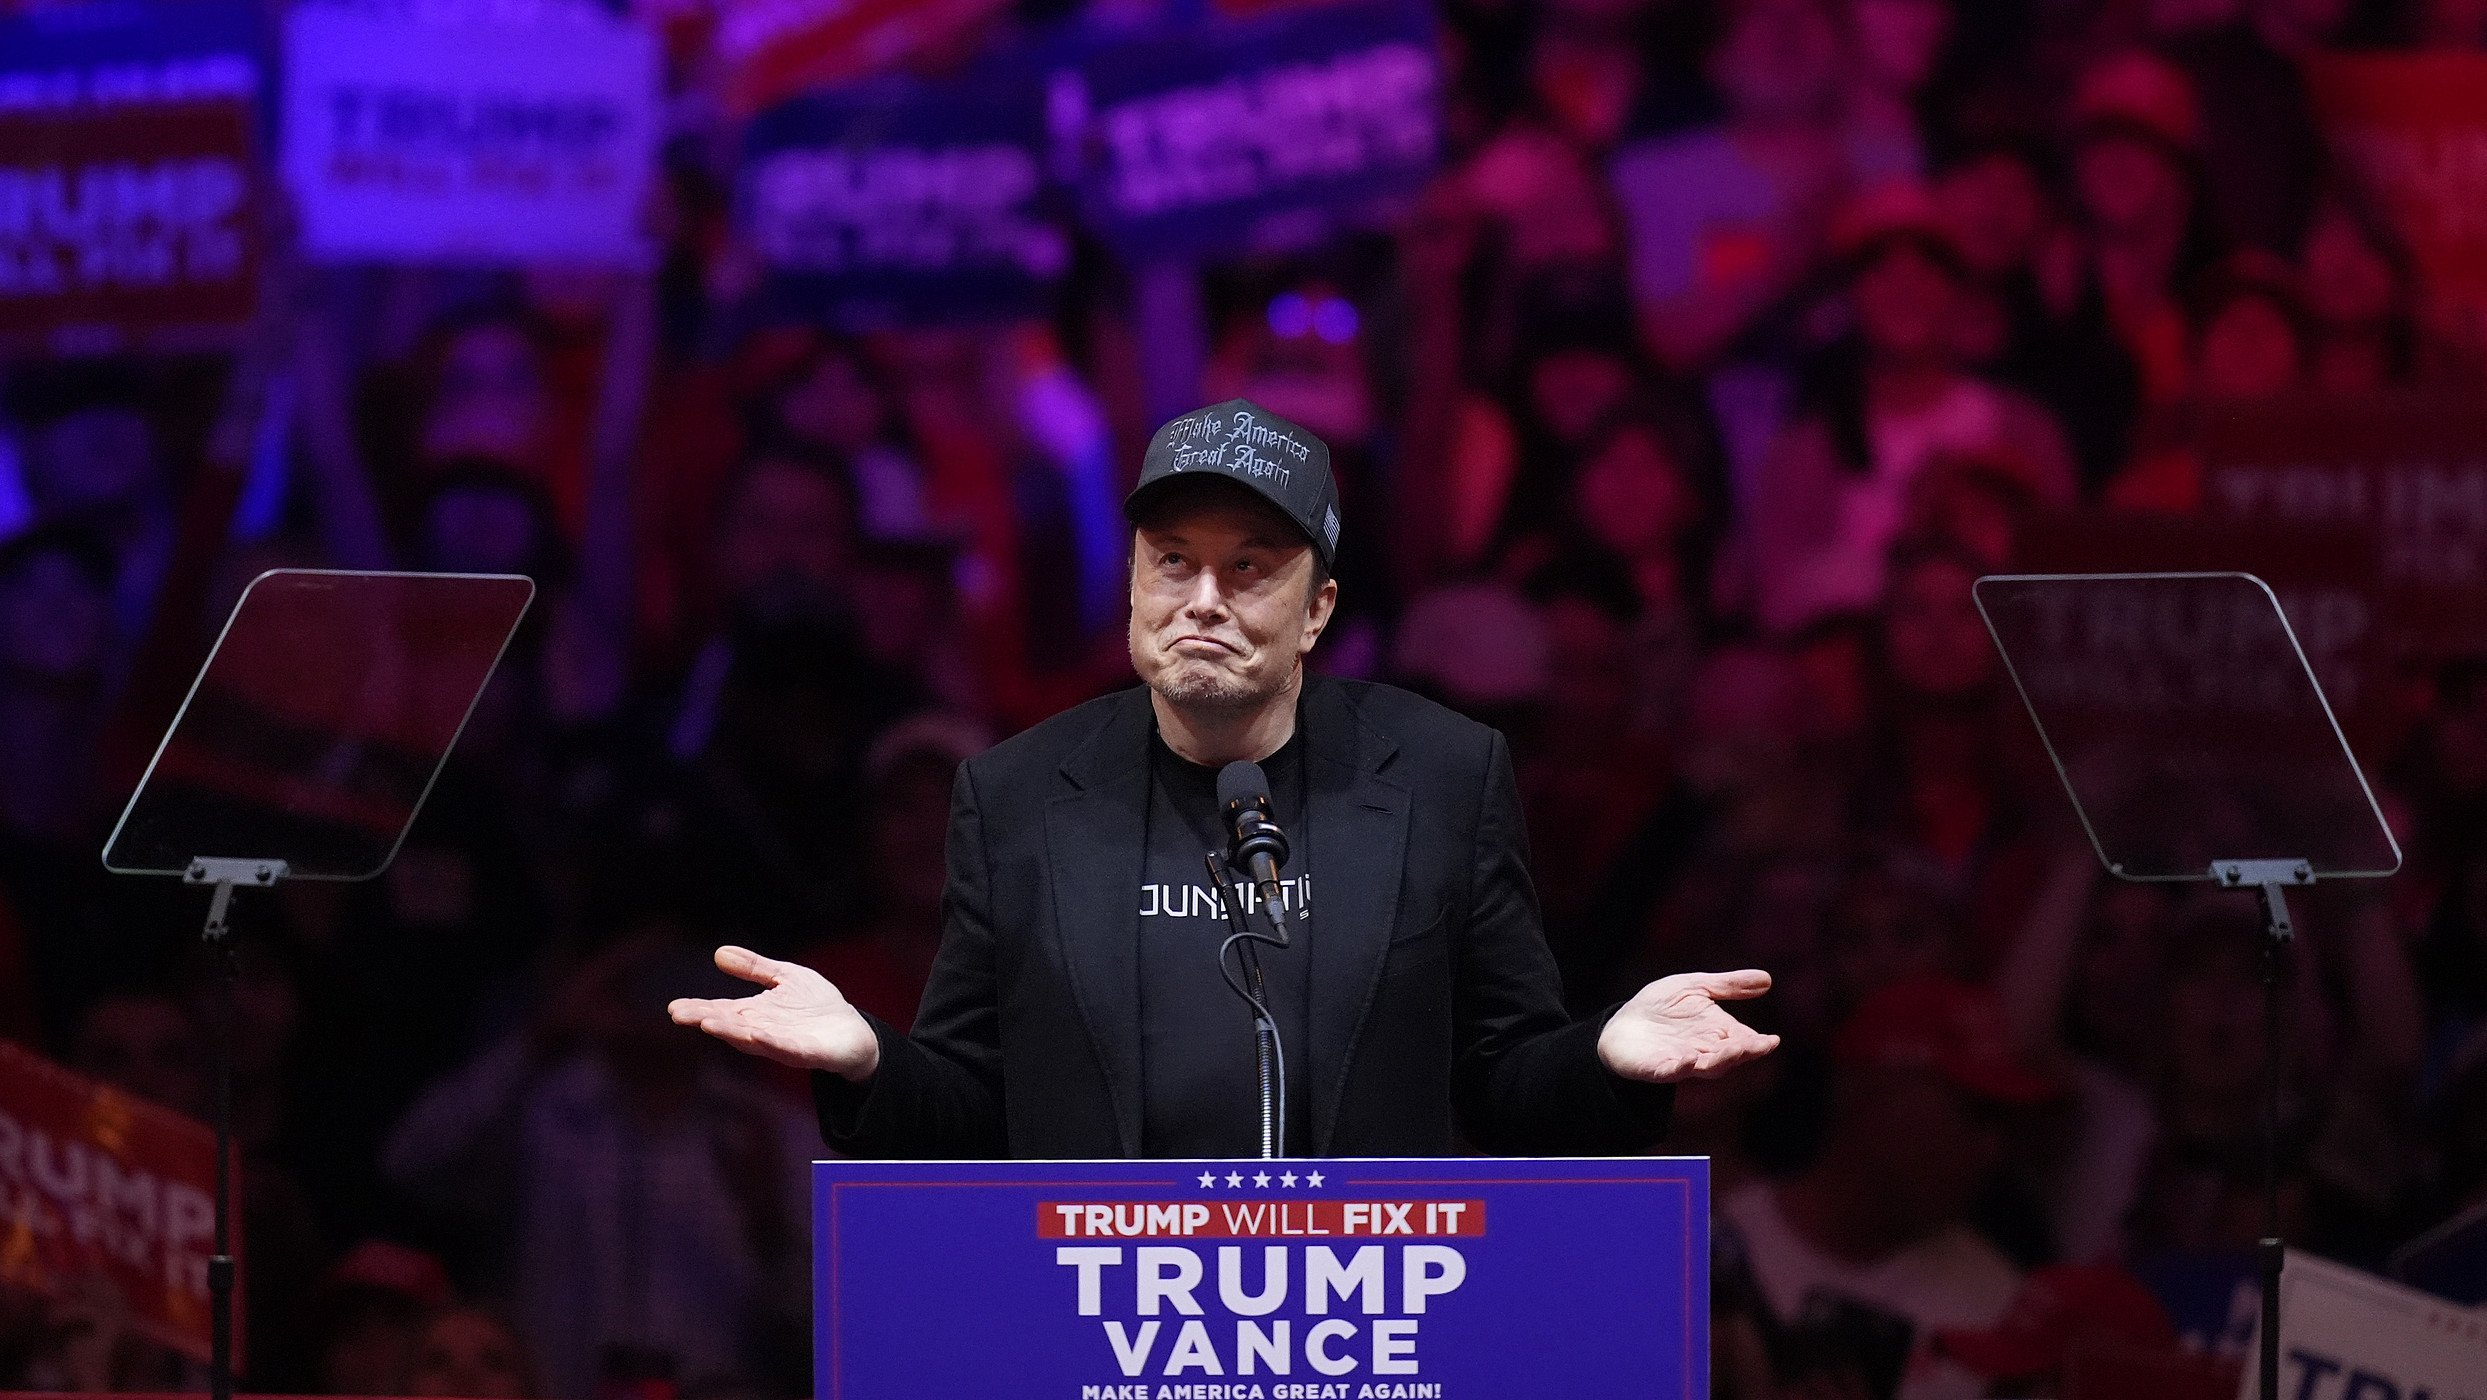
point(1359, 833)
point(1096, 841)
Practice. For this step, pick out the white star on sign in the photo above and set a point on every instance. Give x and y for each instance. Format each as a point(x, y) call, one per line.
point(1312, 1178)
point(1234, 1178)
point(1286, 1178)
point(1262, 1179)
point(1208, 1178)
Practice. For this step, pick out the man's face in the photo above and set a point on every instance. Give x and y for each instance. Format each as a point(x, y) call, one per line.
point(1222, 603)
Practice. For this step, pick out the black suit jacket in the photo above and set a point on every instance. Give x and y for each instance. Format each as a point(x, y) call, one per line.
point(1436, 1012)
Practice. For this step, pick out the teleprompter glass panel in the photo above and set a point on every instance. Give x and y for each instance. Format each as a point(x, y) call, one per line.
point(320, 721)
point(2185, 723)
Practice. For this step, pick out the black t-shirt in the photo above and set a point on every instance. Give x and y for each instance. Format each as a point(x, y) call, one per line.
point(1200, 1086)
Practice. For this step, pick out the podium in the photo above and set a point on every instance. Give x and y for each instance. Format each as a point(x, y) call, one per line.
point(1286, 1279)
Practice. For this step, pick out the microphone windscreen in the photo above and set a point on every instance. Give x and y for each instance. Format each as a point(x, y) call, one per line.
point(1242, 781)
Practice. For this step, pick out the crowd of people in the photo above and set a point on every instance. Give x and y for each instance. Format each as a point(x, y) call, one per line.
point(1673, 421)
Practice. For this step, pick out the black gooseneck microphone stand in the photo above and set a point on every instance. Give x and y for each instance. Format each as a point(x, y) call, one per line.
point(1269, 1053)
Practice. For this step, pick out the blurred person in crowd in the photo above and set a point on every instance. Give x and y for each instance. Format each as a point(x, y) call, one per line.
point(836, 399)
point(479, 515)
point(471, 1353)
point(2452, 955)
point(1890, 921)
point(2250, 345)
point(914, 625)
point(783, 542)
point(1977, 501)
point(2459, 1113)
point(85, 1341)
point(1593, 775)
point(144, 1040)
point(2021, 315)
point(1725, 220)
point(2251, 331)
point(1834, 659)
point(1478, 646)
point(1572, 377)
point(486, 392)
point(1593, 69)
point(1017, 456)
point(880, 963)
point(2198, 1210)
point(1299, 345)
point(2263, 153)
point(1924, 1095)
point(55, 645)
point(366, 1318)
point(1637, 521)
point(2448, 24)
point(92, 460)
point(1945, 778)
point(1833, 493)
point(649, 1199)
point(2083, 985)
point(2442, 769)
point(2136, 169)
point(2062, 1315)
point(2299, 28)
point(2210, 1096)
point(1743, 753)
point(2360, 294)
point(1898, 47)
point(778, 705)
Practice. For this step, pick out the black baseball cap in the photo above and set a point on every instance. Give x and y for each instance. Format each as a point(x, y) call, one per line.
point(1240, 441)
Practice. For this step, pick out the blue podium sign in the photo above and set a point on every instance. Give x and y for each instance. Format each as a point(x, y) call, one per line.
point(1445, 1278)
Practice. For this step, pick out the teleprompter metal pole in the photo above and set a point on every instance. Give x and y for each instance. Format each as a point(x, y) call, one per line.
point(2270, 879)
point(224, 877)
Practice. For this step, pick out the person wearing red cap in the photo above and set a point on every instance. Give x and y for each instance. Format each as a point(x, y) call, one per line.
point(1925, 1083)
point(2061, 1311)
point(1832, 494)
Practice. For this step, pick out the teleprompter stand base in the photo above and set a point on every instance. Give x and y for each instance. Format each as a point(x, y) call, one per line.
point(224, 876)
point(2271, 879)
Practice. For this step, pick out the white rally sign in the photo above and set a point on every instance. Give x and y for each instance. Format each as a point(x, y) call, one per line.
point(423, 138)
point(2346, 1335)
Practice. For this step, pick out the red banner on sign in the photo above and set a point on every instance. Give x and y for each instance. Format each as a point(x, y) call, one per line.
point(774, 49)
point(2415, 127)
point(98, 1186)
point(2411, 468)
point(1256, 1219)
point(131, 227)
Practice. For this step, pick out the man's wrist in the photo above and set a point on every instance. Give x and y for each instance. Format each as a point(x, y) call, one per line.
point(861, 1071)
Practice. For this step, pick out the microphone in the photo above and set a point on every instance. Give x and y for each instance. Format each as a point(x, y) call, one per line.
point(1254, 841)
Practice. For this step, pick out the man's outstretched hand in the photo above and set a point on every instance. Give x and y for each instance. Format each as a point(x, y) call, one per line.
point(1676, 1029)
point(800, 1020)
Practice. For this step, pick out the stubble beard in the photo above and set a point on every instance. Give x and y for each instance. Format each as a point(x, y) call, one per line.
point(1208, 690)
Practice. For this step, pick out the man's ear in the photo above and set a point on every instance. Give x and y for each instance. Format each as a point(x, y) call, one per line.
point(1317, 612)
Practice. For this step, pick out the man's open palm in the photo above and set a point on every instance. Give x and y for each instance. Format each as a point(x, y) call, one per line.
point(800, 1020)
point(1676, 1029)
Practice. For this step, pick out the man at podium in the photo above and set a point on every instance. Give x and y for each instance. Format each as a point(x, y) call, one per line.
point(1078, 1007)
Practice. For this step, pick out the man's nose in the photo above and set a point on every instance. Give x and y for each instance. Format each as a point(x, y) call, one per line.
point(1207, 601)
